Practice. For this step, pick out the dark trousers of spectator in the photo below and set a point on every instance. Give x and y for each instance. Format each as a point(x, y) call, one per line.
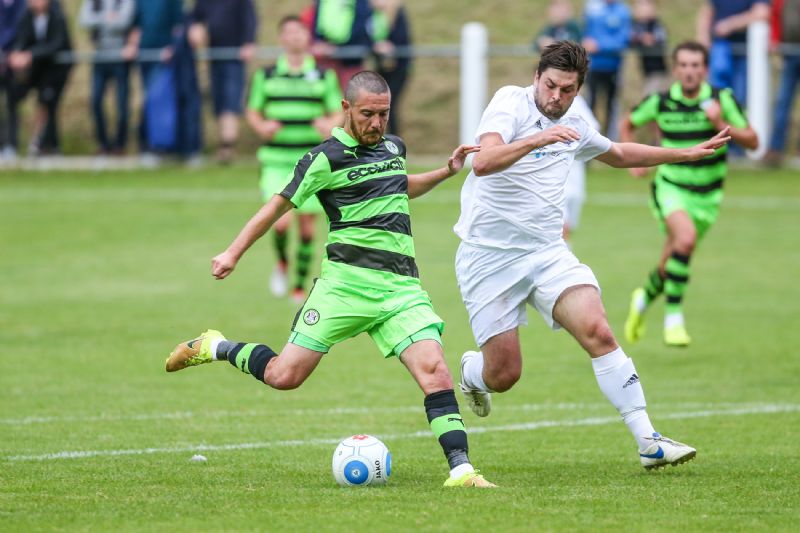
point(396, 78)
point(146, 70)
point(606, 83)
point(48, 80)
point(8, 109)
point(790, 77)
point(102, 74)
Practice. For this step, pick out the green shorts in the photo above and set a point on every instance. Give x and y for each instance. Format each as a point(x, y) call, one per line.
point(274, 178)
point(336, 311)
point(703, 208)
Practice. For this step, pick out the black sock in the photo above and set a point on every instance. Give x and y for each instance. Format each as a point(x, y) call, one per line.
point(250, 358)
point(445, 420)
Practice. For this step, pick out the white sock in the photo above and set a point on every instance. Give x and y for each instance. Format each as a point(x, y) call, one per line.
point(619, 381)
point(460, 470)
point(472, 373)
point(213, 349)
point(673, 319)
point(641, 303)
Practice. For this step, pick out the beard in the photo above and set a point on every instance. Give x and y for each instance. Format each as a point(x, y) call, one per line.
point(551, 112)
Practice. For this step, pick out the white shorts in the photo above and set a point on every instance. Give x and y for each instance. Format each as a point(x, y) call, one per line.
point(496, 284)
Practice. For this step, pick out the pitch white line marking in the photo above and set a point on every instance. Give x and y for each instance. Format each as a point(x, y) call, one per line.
point(110, 417)
point(215, 195)
point(528, 426)
point(187, 415)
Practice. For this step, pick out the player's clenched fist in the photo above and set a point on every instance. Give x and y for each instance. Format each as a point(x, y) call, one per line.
point(222, 265)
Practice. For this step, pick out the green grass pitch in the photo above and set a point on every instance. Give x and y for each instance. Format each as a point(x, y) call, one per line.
point(103, 274)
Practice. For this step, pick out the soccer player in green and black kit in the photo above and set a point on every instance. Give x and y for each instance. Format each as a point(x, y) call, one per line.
point(293, 106)
point(369, 281)
point(685, 196)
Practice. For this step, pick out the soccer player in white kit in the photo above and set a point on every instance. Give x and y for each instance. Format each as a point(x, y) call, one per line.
point(512, 252)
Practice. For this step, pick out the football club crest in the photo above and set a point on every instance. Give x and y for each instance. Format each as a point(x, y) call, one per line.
point(392, 147)
point(311, 317)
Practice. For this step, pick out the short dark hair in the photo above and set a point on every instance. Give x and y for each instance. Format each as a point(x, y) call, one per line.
point(370, 81)
point(287, 19)
point(568, 56)
point(691, 46)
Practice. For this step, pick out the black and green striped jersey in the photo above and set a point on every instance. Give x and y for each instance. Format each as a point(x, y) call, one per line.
point(364, 191)
point(683, 123)
point(294, 98)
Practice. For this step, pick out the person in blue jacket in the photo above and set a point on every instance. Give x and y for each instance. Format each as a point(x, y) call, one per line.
point(605, 36)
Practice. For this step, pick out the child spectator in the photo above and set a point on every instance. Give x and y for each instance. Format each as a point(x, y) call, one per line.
point(561, 25)
point(649, 38)
point(42, 34)
point(389, 30)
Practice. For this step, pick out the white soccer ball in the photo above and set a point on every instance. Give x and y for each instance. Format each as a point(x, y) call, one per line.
point(361, 460)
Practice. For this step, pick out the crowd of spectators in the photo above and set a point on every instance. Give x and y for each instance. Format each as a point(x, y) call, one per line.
point(142, 37)
point(610, 28)
point(157, 40)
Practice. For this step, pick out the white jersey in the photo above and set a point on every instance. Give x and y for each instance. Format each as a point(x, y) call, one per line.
point(521, 207)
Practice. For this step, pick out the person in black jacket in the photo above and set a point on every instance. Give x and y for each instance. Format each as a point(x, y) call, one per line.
point(41, 35)
point(390, 33)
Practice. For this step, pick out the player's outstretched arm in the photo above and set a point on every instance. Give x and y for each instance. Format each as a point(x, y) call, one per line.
point(627, 155)
point(419, 184)
point(223, 264)
point(496, 155)
point(626, 129)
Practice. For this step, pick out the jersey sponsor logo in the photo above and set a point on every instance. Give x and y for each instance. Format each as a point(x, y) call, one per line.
point(311, 317)
point(542, 152)
point(312, 76)
point(352, 152)
point(392, 147)
point(368, 170)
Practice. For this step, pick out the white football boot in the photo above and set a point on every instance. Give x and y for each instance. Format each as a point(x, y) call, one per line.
point(664, 451)
point(479, 401)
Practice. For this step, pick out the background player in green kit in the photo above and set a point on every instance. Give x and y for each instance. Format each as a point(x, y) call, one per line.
point(685, 196)
point(369, 281)
point(293, 106)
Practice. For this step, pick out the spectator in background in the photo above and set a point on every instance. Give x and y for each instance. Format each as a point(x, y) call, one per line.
point(561, 25)
point(42, 34)
point(110, 23)
point(785, 30)
point(337, 24)
point(722, 28)
point(575, 186)
point(155, 25)
point(293, 106)
point(605, 37)
point(10, 14)
point(226, 24)
point(389, 30)
point(649, 38)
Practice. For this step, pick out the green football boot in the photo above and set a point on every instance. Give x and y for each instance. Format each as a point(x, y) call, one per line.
point(634, 324)
point(470, 479)
point(676, 336)
point(194, 352)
